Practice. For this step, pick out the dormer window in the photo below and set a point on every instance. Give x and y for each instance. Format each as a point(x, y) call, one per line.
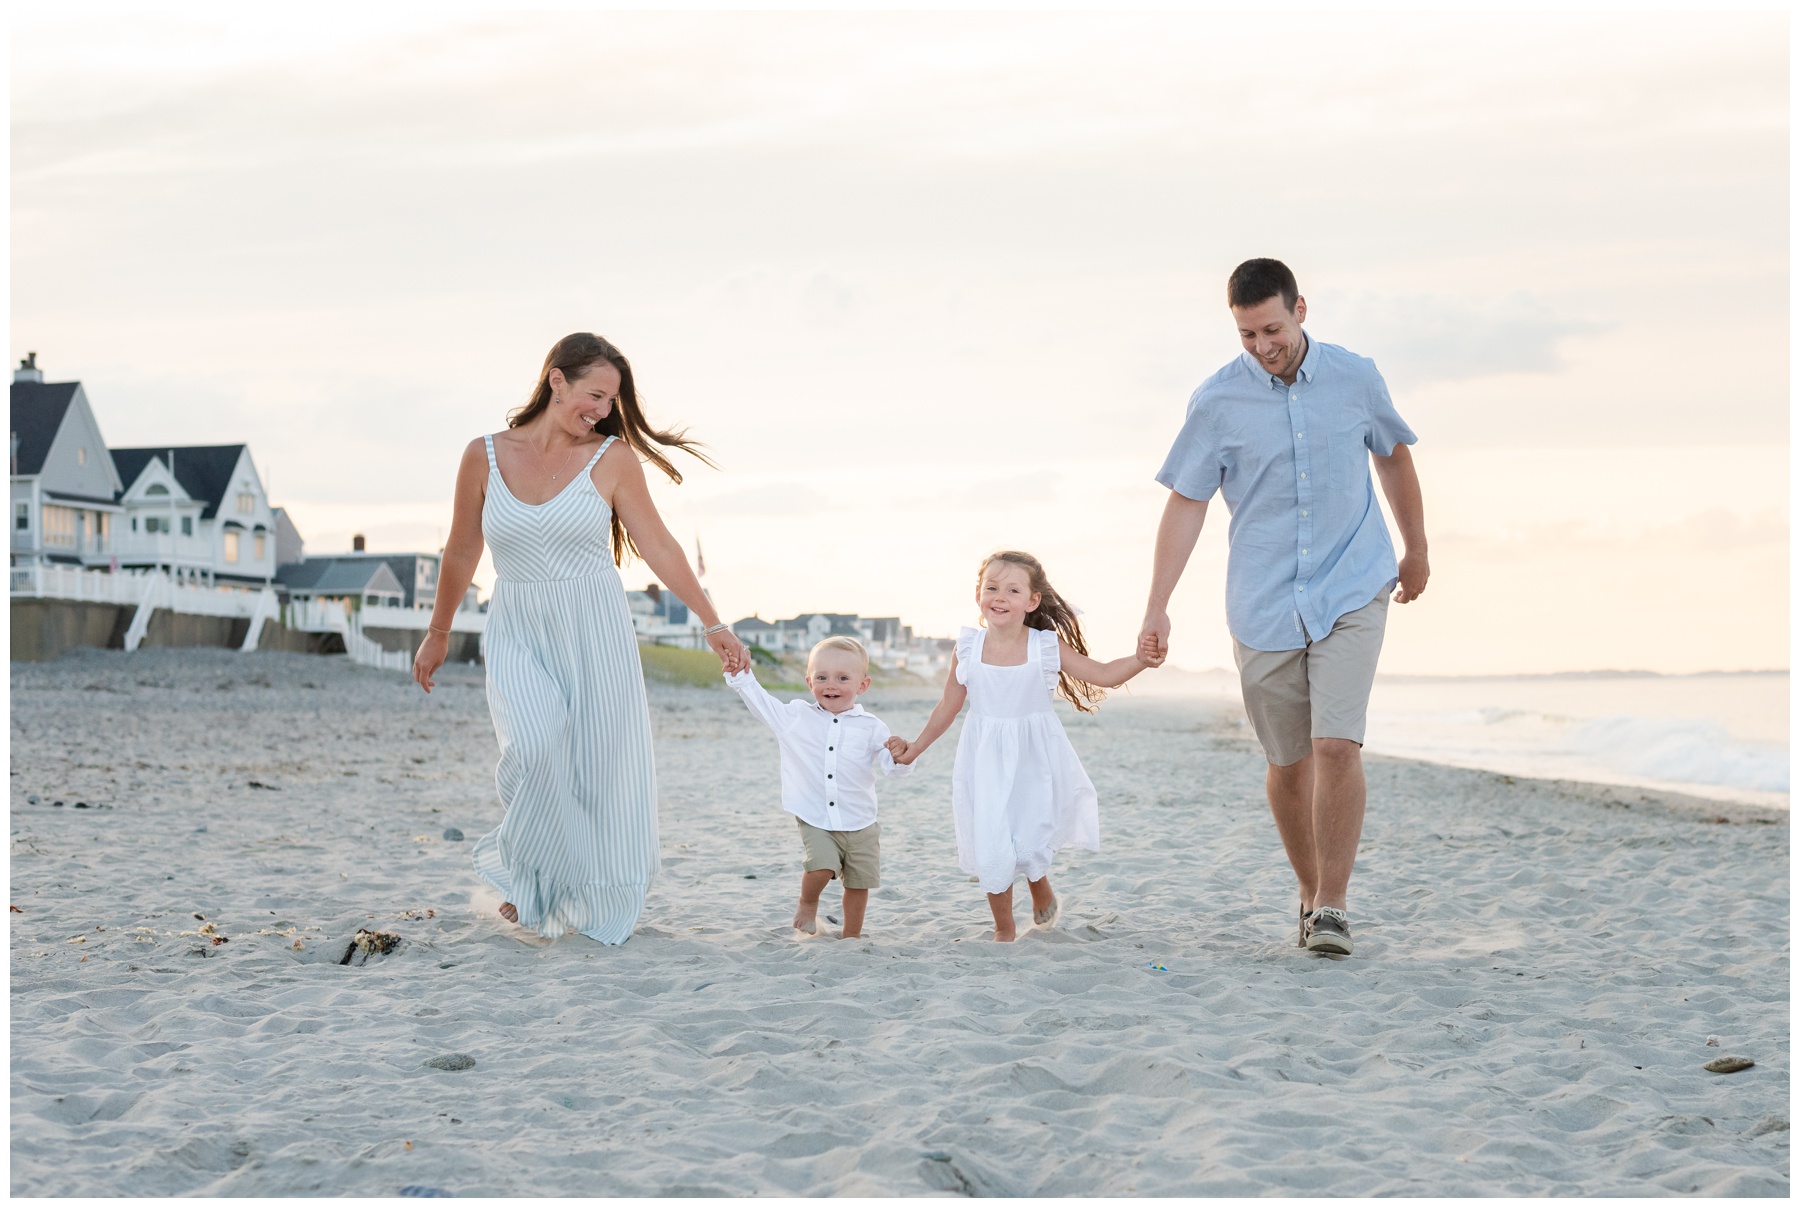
point(156, 488)
point(246, 503)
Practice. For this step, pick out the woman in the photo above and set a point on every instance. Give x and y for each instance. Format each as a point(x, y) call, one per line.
point(561, 497)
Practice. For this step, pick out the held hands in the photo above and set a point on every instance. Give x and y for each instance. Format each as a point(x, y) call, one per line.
point(431, 655)
point(1153, 639)
point(1415, 569)
point(898, 748)
point(733, 654)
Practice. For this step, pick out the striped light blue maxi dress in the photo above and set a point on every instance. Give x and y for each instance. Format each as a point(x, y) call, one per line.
point(577, 847)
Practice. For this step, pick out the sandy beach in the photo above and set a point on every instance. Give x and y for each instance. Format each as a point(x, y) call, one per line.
point(1539, 969)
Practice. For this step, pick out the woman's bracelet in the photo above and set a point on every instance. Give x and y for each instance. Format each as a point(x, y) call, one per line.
point(434, 629)
point(721, 627)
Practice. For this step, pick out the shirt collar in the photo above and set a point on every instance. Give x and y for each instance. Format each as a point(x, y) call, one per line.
point(852, 711)
point(1308, 365)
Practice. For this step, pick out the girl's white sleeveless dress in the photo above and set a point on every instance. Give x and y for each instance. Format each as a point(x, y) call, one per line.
point(577, 847)
point(1019, 792)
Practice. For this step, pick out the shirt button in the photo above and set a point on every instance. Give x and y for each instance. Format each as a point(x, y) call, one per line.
point(831, 748)
point(1303, 473)
point(1303, 587)
point(1306, 551)
point(1304, 513)
point(828, 774)
point(1300, 435)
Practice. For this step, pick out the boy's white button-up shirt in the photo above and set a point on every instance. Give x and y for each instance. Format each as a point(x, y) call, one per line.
point(828, 760)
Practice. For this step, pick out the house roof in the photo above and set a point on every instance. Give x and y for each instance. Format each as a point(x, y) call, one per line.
point(37, 414)
point(337, 576)
point(405, 566)
point(204, 471)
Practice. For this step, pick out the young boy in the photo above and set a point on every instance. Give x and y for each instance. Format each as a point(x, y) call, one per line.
point(830, 749)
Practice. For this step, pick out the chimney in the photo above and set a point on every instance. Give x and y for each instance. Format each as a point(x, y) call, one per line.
point(654, 592)
point(357, 543)
point(28, 370)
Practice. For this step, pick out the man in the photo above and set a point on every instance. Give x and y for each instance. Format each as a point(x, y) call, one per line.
point(1285, 432)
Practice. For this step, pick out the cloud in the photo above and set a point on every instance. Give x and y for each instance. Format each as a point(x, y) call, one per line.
point(1427, 337)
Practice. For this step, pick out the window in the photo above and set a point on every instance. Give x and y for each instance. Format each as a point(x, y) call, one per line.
point(22, 517)
point(231, 547)
point(156, 488)
point(81, 456)
point(156, 524)
point(262, 547)
point(187, 526)
point(59, 525)
point(246, 503)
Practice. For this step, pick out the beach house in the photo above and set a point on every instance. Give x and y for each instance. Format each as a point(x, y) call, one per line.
point(65, 488)
point(198, 512)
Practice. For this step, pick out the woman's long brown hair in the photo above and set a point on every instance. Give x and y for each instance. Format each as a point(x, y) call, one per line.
point(1055, 613)
point(575, 355)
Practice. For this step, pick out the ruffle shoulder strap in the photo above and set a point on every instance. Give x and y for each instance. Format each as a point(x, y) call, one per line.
point(1049, 654)
point(968, 642)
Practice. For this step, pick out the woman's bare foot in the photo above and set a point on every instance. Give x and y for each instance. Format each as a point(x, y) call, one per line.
point(509, 912)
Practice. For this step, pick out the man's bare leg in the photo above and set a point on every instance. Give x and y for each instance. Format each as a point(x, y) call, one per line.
point(806, 915)
point(855, 902)
point(1005, 930)
point(1290, 791)
point(1340, 796)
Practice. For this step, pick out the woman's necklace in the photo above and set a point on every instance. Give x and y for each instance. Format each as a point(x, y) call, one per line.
point(565, 465)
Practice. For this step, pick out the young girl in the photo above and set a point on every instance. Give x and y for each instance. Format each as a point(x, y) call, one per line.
point(1020, 794)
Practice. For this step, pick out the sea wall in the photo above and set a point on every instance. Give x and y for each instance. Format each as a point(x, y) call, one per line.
point(464, 647)
point(43, 629)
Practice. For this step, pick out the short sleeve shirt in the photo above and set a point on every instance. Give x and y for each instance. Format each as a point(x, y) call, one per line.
point(1308, 542)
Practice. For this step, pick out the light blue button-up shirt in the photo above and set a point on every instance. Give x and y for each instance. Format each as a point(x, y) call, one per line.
point(1308, 543)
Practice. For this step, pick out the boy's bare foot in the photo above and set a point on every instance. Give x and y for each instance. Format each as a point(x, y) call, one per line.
point(509, 912)
point(806, 919)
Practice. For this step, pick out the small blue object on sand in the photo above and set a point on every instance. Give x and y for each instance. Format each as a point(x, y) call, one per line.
point(1160, 968)
point(415, 1189)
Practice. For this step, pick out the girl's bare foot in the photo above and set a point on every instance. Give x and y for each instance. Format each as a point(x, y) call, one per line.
point(1005, 930)
point(1043, 901)
point(1005, 935)
point(509, 912)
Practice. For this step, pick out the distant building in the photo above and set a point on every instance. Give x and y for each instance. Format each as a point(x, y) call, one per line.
point(417, 573)
point(889, 643)
point(288, 544)
point(358, 582)
point(197, 511)
point(64, 486)
point(661, 619)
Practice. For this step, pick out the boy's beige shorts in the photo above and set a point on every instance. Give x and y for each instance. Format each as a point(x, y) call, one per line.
point(1320, 691)
point(855, 856)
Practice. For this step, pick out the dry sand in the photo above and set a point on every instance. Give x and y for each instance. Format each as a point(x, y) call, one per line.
point(1538, 970)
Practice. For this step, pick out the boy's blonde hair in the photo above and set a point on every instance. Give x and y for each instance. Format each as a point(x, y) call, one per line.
point(841, 642)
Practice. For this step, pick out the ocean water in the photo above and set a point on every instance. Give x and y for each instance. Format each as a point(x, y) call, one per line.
point(1723, 736)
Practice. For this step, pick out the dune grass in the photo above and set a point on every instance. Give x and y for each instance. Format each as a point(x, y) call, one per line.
point(673, 665)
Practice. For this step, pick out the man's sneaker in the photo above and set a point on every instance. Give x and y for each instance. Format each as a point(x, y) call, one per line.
point(1328, 931)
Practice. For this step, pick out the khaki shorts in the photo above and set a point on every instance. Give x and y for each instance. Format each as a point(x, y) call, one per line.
point(1321, 691)
point(854, 855)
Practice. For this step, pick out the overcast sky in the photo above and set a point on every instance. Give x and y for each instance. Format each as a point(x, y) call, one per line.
point(933, 284)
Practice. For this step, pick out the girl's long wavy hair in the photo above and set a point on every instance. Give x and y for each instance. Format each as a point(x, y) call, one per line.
point(575, 355)
point(1055, 613)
